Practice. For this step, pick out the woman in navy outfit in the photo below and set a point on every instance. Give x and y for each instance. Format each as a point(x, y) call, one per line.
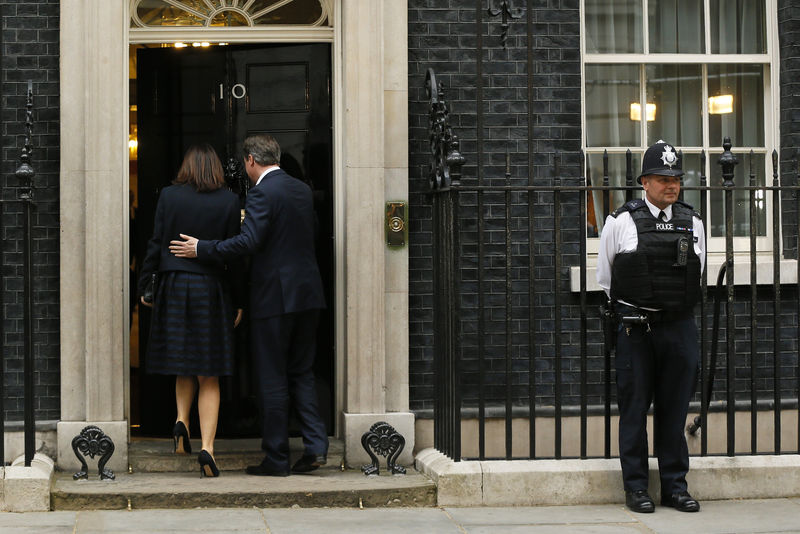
point(191, 333)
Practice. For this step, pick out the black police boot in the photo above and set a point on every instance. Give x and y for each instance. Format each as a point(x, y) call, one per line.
point(682, 501)
point(639, 501)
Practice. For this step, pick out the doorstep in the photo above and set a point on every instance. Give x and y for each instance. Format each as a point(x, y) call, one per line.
point(158, 478)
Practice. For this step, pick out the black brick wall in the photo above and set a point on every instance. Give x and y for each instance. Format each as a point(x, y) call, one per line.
point(789, 37)
point(442, 36)
point(30, 51)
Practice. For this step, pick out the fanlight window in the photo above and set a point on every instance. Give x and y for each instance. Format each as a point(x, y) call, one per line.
point(161, 13)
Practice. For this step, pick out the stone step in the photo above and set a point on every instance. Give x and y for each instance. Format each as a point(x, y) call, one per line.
point(150, 455)
point(328, 486)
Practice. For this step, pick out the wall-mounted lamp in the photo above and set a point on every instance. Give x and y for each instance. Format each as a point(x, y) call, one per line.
point(636, 112)
point(717, 105)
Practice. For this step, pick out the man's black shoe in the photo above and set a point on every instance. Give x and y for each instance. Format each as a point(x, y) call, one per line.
point(263, 471)
point(683, 502)
point(639, 501)
point(309, 462)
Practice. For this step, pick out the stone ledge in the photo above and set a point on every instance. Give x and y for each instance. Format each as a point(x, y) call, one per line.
point(599, 481)
point(27, 489)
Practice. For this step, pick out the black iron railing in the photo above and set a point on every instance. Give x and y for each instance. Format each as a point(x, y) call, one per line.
point(513, 342)
point(25, 174)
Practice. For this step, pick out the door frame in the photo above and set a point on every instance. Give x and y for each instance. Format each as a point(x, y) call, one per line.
point(370, 120)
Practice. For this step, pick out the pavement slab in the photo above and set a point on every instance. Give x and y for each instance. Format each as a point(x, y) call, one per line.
point(560, 529)
point(512, 515)
point(724, 517)
point(769, 516)
point(220, 520)
point(44, 522)
point(393, 521)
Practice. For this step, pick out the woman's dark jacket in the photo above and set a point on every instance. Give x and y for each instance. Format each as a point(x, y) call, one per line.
point(209, 215)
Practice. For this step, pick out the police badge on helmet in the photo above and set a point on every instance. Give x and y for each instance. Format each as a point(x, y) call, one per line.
point(661, 159)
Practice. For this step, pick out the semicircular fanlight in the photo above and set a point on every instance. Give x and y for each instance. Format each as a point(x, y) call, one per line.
point(167, 13)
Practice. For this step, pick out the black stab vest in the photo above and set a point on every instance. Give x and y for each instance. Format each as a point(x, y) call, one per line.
point(653, 276)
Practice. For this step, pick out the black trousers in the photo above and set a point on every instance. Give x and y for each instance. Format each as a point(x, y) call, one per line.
point(660, 367)
point(283, 349)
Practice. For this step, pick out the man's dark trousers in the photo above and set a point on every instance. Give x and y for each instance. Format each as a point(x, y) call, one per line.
point(658, 365)
point(284, 347)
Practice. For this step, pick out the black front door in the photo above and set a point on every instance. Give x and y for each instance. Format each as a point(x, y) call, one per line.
point(219, 95)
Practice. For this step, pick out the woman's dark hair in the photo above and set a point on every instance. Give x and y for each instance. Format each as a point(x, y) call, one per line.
point(201, 168)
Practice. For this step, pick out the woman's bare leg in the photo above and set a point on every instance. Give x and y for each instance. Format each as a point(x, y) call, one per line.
point(208, 406)
point(185, 387)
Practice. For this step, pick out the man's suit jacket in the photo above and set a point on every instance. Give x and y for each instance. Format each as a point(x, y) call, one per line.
point(209, 215)
point(278, 234)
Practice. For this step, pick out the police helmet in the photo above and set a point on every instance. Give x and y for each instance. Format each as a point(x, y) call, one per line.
point(661, 159)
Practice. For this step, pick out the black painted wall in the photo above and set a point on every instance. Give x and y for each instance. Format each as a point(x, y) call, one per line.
point(443, 36)
point(30, 51)
point(789, 42)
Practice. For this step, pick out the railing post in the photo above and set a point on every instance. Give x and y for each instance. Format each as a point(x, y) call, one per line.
point(776, 310)
point(728, 161)
point(753, 309)
point(703, 319)
point(444, 175)
point(25, 174)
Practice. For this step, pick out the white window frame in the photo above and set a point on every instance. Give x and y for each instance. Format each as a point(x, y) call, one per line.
point(771, 62)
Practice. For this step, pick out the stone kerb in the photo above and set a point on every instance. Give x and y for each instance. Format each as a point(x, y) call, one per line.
point(27, 489)
point(599, 481)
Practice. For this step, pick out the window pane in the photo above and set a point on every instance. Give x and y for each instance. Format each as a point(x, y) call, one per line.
point(676, 26)
point(297, 12)
point(677, 93)
point(610, 91)
point(614, 26)
point(742, 119)
point(159, 13)
point(738, 27)
point(691, 166)
point(596, 213)
point(741, 199)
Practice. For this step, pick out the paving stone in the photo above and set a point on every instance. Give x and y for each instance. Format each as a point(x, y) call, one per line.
point(561, 529)
point(39, 520)
point(172, 521)
point(540, 515)
point(723, 517)
point(395, 521)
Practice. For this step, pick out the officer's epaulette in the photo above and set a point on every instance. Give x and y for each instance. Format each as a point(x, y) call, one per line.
point(690, 208)
point(631, 205)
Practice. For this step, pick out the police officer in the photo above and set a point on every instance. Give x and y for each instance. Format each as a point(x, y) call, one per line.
point(652, 252)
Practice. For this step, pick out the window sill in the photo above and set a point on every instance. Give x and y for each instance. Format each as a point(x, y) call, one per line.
point(741, 269)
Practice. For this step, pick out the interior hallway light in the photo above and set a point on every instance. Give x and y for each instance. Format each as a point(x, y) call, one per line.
point(717, 105)
point(180, 45)
point(636, 112)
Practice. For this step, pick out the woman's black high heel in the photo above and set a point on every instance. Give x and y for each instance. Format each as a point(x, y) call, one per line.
point(181, 439)
point(207, 466)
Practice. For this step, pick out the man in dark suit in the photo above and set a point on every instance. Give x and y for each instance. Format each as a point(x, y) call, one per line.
point(286, 296)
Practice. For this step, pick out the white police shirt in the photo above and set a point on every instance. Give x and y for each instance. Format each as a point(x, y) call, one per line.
point(619, 235)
